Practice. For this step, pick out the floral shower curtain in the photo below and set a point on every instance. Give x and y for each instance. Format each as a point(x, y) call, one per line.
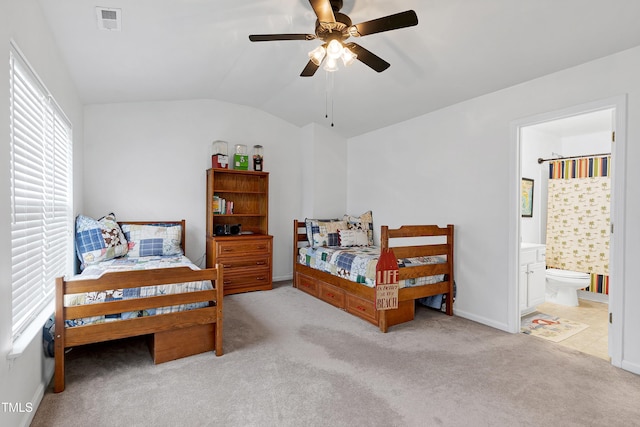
point(578, 218)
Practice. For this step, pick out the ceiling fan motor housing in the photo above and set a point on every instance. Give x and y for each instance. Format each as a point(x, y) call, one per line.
point(334, 30)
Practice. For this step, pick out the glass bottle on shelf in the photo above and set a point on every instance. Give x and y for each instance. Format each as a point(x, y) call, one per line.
point(258, 155)
point(219, 155)
point(241, 158)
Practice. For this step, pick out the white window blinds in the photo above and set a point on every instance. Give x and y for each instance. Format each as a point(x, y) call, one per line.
point(41, 218)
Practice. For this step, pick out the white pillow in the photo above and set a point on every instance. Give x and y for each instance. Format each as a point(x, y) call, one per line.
point(353, 237)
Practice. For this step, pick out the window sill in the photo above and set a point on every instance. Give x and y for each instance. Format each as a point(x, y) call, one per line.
point(33, 330)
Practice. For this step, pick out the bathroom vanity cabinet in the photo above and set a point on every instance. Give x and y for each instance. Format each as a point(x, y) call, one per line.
point(532, 276)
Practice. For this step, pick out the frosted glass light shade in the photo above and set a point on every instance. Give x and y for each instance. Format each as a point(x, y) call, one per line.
point(348, 57)
point(334, 49)
point(331, 64)
point(317, 55)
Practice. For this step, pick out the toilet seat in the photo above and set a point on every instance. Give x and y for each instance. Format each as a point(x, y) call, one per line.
point(566, 274)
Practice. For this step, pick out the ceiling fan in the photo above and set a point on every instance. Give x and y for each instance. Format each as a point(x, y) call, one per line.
point(334, 28)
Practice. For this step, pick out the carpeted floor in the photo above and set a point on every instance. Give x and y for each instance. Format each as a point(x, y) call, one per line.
point(292, 360)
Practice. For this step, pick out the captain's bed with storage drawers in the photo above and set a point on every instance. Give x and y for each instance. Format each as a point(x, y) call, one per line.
point(335, 260)
point(136, 281)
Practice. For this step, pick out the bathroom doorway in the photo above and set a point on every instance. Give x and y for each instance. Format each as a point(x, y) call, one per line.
point(559, 143)
point(577, 132)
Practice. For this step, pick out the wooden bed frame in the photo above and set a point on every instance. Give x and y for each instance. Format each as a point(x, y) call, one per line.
point(359, 299)
point(171, 335)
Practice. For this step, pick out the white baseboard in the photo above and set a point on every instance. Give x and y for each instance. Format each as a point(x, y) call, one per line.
point(631, 367)
point(482, 320)
point(282, 278)
point(592, 296)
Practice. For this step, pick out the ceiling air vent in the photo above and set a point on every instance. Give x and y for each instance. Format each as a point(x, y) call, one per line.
point(109, 19)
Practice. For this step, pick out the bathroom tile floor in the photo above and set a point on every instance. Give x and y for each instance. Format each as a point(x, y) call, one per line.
point(594, 339)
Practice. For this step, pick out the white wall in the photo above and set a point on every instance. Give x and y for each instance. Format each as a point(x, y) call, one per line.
point(23, 380)
point(534, 145)
point(324, 165)
point(148, 161)
point(453, 166)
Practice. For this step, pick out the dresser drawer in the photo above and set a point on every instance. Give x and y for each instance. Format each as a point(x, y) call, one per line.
point(254, 278)
point(231, 263)
point(307, 284)
point(362, 308)
point(332, 295)
point(239, 247)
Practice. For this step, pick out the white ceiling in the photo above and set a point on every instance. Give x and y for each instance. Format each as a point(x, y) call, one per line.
point(460, 49)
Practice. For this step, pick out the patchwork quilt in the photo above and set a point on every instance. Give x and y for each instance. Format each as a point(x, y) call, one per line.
point(358, 264)
point(127, 264)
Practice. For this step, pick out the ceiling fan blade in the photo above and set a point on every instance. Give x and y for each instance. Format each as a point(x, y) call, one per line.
point(387, 23)
point(323, 10)
point(368, 58)
point(309, 70)
point(274, 37)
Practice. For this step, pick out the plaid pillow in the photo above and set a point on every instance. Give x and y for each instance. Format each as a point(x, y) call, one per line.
point(326, 233)
point(153, 240)
point(99, 240)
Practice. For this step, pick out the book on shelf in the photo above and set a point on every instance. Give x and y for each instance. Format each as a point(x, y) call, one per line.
point(222, 206)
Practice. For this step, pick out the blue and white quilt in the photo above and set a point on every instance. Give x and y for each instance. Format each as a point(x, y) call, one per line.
point(358, 264)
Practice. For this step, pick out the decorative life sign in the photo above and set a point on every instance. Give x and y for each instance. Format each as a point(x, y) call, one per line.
point(387, 274)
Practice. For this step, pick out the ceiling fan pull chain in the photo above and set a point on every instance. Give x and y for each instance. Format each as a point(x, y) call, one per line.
point(332, 111)
point(331, 95)
point(326, 94)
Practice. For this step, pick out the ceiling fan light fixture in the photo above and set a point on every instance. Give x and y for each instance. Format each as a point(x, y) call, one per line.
point(331, 64)
point(334, 49)
point(353, 31)
point(348, 57)
point(317, 55)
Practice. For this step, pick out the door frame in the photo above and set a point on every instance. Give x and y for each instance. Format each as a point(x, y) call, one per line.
point(618, 187)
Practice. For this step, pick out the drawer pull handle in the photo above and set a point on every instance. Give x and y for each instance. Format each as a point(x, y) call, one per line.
point(361, 308)
point(261, 247)
point(227, 249)
point(226, 265)
point(260, 278)
point(260, 263)
point(330, 295)
point(227, 282)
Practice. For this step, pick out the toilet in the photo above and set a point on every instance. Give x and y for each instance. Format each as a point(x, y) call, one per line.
point(563, 285)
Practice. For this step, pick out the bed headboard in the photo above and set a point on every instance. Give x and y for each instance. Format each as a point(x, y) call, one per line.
point(182, 223)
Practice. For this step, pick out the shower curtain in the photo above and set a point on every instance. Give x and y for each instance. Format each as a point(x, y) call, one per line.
point(578, 218)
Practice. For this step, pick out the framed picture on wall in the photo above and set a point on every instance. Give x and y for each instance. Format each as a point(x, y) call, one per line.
point(526, 190)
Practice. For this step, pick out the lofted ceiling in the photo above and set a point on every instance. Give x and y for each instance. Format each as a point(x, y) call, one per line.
point(460, 49)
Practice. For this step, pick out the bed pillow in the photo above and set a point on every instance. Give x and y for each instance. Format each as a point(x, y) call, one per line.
point(153, 240)
point(363, 222)
point(353, 238)
point(99, 240)
point(326, 233)
point(312, 226)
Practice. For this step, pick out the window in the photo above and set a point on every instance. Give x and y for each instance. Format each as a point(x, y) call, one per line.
point(41, 197)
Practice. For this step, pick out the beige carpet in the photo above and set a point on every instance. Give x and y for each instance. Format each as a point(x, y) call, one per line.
point(292, 360)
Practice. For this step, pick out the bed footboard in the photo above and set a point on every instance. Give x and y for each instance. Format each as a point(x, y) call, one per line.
point(165, 328)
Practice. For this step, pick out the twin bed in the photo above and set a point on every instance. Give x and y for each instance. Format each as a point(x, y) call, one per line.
point(344, 276)
point(156, 292)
